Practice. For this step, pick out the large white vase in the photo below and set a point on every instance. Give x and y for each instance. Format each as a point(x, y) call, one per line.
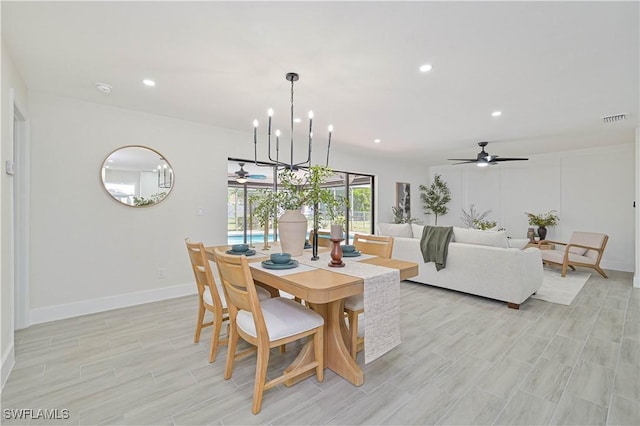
point(292, 228)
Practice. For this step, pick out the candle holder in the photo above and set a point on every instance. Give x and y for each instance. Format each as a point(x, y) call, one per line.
point(336, 253)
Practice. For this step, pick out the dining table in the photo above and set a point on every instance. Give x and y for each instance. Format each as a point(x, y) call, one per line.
point(324, 290)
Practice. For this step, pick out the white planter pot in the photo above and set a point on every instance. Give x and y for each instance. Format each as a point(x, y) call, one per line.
point(292, 229)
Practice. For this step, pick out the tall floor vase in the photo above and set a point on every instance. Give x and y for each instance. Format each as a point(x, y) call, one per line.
point(292, 228)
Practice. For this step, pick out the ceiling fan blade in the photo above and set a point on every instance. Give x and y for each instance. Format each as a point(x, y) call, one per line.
point(470, 160)
point(509, 159)
point(465, 162)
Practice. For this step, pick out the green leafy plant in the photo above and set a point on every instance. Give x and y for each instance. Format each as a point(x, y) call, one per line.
point(153, 199)
point(265, 204)
point(435, 197)
point(543, 220)
point(470, 218)
point(309, 190)
point(484, 224)
point(399, 217)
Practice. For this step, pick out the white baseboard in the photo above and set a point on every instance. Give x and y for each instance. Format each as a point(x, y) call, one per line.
point(636, 280)
point(8, 361)
point(618, 266)
point(70, 310)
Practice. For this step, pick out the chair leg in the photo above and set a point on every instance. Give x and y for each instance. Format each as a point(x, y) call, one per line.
point(196, 338)
point(215, 337)
point(564, 270)
point(261, 377)
point(353, 331)
point(318, 350)
point(600, 271)
point(231, 352)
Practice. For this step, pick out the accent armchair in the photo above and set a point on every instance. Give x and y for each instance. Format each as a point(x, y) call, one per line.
point(583, 249)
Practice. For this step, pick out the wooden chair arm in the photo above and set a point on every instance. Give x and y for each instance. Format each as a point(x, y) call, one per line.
point(585, 247)
point(551, 242)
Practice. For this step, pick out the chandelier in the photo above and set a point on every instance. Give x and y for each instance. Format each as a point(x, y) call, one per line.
point(291, 165)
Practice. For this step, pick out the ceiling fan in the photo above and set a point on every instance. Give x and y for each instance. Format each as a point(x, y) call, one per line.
point(242, 175)
point(483, 159)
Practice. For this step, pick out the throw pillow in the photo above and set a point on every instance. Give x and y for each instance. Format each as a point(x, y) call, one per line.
point(483, 238)
point(395, 229)
point(417, 230)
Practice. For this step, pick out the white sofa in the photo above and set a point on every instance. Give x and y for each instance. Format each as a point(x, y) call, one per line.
point(484, 263)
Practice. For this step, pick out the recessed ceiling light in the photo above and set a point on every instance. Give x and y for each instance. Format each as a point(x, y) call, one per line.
point(148, 82)
point(104, 87)
point(296, 120)
point(496, 113)
point(377, 141)
point(425, 68)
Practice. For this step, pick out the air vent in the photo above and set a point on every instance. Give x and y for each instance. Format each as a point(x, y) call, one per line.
point(614, 118)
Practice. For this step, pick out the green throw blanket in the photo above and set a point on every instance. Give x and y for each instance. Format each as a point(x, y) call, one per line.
point(435, 244)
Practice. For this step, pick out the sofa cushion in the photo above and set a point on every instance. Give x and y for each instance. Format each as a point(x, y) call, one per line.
point(395, 229)
point(483, 238)
point(417, 230)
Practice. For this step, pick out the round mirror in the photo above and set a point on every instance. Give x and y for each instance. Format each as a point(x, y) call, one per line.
point(137, 176)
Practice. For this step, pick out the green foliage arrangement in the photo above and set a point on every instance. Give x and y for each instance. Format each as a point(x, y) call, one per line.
point(472, 217)
point(435, 197)
point(543, 220)
point(485, 224)
point(153, 199)
point(398, 217)
point(265, 204)
point(309, 190)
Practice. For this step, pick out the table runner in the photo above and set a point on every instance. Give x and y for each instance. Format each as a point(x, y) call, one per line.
point(381, 301)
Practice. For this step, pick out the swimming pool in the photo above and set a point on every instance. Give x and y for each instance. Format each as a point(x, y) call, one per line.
point(257, 237)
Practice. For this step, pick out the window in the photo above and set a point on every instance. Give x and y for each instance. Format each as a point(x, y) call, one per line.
point(243, 226)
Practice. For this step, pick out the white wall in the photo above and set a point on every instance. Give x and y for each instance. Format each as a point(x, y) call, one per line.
point(13, 93)
point(592, 190)
point(90, 252)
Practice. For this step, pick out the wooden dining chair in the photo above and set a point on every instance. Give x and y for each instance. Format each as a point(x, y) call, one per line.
point(210, 298)
point(323, 238)
point(265, 324)
point(376, 245)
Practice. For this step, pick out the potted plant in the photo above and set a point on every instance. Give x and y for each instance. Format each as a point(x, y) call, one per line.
point(300, 190)
point(435, 197)
point(266, 207)
point(543, 220)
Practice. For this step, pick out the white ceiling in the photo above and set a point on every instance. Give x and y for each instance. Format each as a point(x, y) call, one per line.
point(552, 68)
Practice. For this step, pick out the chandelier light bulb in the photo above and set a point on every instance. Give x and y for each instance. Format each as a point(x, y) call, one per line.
point(270, 112)
point(278, 133)
point(310, 114)
point(330, 127)
point(255, 123)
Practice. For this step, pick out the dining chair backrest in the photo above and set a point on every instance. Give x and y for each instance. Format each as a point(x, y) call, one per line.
point(239, 288)
point(323, 238)
point(376, 245)
point(202, 271)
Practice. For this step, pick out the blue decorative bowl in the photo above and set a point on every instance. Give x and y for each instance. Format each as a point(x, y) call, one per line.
point(348, 248)
point(240, 247)
point(280, 258)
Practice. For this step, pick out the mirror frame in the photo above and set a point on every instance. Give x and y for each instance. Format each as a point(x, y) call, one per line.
point(162, 157)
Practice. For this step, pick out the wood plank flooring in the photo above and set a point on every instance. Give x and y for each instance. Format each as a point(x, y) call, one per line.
point(463, 360)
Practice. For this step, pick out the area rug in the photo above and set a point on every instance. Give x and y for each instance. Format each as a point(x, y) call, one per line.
point(556, 289)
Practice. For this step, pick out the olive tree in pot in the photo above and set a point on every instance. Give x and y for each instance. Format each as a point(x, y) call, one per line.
point(435, 197)
point(266, 208)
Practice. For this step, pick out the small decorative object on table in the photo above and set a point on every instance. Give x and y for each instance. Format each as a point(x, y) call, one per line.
point(531, 235)
point(336, 250)
point(542, 221)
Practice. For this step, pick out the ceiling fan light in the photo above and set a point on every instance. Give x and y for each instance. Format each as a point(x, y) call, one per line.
point(241, 180)
point(482, 164)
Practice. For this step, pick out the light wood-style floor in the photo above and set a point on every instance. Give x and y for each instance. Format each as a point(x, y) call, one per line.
point(463, 360)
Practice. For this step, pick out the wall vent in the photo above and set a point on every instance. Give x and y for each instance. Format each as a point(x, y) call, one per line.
point(614, 118)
